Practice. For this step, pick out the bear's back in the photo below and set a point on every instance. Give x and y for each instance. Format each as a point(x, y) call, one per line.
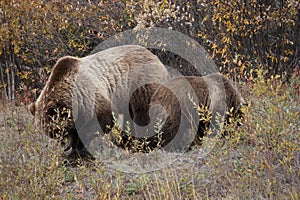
point(122, 66)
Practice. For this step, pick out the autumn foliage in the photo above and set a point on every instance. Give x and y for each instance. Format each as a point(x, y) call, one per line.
point(241, 35)
point(256, 42)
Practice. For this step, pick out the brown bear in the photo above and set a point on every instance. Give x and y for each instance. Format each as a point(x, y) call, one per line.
point(82, 93)
point(187, 108)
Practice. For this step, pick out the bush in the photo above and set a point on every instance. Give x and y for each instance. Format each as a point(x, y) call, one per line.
point(259, 159)
point(241, 36)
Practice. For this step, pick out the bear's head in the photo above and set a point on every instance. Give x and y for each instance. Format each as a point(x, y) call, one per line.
point(52, 110)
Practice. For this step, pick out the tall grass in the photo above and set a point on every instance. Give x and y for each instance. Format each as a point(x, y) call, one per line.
point(258, 160)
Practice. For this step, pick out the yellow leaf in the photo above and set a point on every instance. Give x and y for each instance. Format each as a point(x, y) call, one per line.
point(246, 21)
point(16, 49)
point(214, 46)
point(239, 63)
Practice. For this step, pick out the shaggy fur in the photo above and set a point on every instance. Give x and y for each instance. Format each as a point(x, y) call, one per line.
point(95, 86)
point(176, 102)
point(82, 93)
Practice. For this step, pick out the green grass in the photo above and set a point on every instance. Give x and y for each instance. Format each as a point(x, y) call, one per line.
point(259, 160)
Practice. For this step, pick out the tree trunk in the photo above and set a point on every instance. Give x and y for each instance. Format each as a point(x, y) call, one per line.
point(2, 85)
point(12, 83)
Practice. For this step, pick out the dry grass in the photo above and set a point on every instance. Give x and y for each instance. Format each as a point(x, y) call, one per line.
point(260, 160)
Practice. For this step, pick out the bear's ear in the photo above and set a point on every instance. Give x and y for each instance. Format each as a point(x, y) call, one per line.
point(64, 66)
point(31, 108)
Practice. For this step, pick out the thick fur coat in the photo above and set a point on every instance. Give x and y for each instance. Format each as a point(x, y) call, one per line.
point(84, 92)
point(193, 105)
point(188, 108)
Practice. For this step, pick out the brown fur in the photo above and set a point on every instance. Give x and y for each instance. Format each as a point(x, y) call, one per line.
point(111, 76)
point(141, 75)
point(176, 101)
